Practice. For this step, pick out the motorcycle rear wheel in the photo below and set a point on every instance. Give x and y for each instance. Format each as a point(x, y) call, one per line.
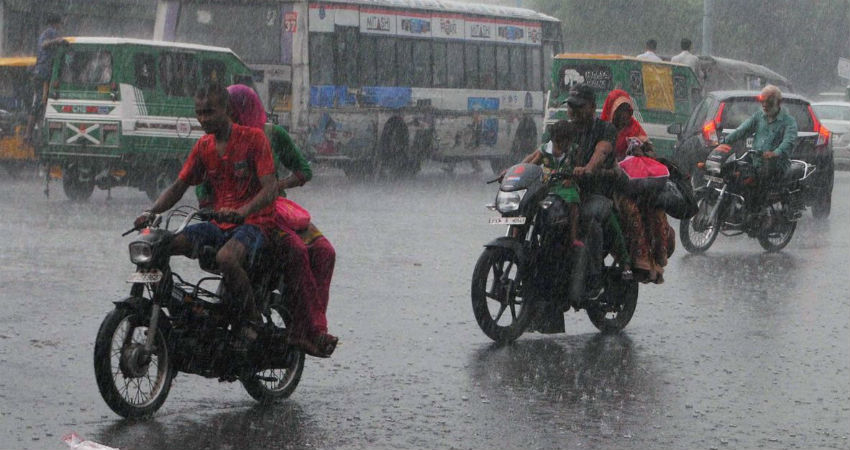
point(616, 306)
point(129, 384)
point(697, 236)
point(494, 283)
point(270, 385)
point(778, 236)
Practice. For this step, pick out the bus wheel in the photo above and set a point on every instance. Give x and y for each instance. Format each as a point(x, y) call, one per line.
point(394, 155)
point(525, 141)
point(162, 179)
point(77, 182)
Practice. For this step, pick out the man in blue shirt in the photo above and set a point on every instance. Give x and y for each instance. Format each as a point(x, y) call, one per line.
point(49, 39)
point(774, 134)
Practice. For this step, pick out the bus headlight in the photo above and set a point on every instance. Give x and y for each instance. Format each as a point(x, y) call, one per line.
point(140, 252)
point(509, 201)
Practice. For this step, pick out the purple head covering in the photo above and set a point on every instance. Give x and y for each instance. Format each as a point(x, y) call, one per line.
point(246, 106)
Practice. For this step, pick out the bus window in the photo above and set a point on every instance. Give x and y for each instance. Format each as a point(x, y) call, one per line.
point(487, 67)
point(535, 77)
point(367, 61)
point(347, 53)
point(503, 68)
point(213, 70)
point(439, 63)
point(87, 67)
point(143, 66)
point(421, 63)
point(454, 65)
point(178, 74)
point(404, 52)
point(518, 73)
point(471, 65)
point(321, 59)
point(385, 53)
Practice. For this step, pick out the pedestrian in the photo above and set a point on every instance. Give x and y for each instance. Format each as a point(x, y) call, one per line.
point(686, 57)
point(649, 54)
point(49, 39)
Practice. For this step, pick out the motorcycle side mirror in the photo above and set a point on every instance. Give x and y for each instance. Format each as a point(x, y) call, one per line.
point(675, 128)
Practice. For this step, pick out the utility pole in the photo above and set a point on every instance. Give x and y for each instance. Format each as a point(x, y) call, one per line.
point(707, 26)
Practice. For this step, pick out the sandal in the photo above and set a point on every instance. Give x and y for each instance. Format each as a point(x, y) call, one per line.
point(320, 346)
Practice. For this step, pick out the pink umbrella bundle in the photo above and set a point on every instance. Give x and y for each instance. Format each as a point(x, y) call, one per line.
point(644, 174)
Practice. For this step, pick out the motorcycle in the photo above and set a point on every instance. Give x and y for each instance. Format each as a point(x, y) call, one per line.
point(532, 275)
point(168, 325)
point(723, 208)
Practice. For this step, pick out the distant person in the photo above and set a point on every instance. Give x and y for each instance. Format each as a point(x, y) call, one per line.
point(649, 54)
point(686, 57)
point(49, 39)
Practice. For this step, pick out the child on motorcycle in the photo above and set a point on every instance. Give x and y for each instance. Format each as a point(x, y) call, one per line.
point(555, 158)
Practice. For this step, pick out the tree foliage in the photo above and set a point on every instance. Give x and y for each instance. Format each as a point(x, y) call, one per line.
point(802, 40)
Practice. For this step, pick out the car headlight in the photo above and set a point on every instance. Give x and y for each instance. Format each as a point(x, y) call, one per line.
point(140, 252)
point(509, 201)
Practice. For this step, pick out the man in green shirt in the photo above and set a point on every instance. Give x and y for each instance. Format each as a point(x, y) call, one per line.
point(774, 134)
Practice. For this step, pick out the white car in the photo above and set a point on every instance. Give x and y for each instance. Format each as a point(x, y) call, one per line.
point(836, 117)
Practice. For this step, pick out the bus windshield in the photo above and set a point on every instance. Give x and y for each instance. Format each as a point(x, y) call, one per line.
point(86, 67)
point(214, 24)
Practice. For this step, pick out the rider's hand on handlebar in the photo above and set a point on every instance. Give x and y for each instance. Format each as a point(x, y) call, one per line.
point(579, 171)
point(143, 220)
point(768, 155)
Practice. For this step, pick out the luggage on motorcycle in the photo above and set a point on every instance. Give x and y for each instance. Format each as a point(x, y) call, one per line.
point(677, 198)
point(645, 174)
point(291, 215)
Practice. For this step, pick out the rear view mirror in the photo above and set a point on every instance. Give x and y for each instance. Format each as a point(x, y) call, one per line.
point(675, 128)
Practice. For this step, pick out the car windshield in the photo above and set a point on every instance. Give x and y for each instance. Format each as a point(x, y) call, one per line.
point(737, 110)
point(832, 112)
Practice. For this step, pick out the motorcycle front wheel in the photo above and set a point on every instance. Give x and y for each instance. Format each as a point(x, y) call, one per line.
point(699, 232)
point(133, 383)
point(270, 385)
point(615, 308)
point(497, 296)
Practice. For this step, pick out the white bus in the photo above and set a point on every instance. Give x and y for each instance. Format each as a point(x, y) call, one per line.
point(382, 85)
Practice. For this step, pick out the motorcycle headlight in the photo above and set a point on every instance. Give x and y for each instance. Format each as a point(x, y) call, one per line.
point(712, 167)
point(509, 201)
point(140, 252)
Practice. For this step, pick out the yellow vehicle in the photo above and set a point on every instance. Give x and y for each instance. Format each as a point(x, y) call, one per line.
point(15, 95)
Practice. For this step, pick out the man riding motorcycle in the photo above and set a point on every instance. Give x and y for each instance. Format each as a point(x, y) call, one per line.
point(774, 132)
point(238, 163)
point(595, 143)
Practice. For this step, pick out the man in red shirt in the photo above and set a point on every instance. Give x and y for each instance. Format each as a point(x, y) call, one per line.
point(237, 161)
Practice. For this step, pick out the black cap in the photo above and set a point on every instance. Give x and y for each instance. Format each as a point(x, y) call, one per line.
point(581, 95)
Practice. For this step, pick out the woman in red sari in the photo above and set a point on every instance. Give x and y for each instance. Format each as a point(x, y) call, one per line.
point(650, 237)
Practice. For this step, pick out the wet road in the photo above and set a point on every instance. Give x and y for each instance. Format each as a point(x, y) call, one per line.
point(738, 349)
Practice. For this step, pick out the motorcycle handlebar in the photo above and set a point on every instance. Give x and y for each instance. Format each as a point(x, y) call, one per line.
point(204, 215)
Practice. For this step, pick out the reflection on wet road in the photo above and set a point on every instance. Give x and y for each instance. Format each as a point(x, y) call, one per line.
point(738, 349)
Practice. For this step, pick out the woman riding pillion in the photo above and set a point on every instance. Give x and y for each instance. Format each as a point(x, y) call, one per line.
point(307, 257)
point(650, 237)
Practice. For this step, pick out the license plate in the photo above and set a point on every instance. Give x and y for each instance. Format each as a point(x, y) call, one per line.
point(712, 179)
point(145, 277)
point(507, 221)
